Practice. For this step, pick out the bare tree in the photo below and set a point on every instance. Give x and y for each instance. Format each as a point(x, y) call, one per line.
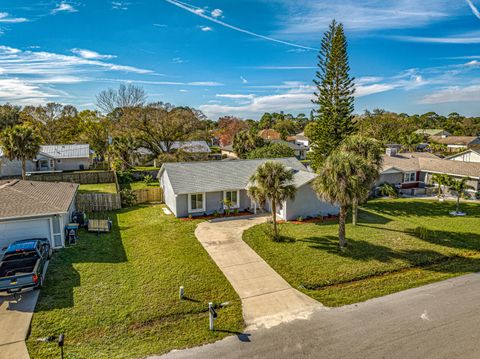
point(127, 96)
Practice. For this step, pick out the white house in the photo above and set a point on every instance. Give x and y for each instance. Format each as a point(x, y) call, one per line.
point(471, 155)
point(33, 209)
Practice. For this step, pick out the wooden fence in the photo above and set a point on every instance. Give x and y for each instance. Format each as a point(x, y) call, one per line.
point(98, 202)
point(76, 177)
point(146, 195)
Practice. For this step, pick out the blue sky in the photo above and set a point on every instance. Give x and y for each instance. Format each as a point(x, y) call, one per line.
point(241, 57)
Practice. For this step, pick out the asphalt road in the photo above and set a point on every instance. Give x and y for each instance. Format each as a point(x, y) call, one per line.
point(440, 320)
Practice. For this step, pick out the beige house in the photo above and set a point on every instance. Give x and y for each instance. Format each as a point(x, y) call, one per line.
point(456, 143)
point(471, 155)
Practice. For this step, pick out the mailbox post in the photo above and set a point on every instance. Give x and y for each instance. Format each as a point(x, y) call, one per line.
point(212, 315)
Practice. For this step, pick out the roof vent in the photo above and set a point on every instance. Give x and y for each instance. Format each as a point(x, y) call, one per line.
point(391, 151)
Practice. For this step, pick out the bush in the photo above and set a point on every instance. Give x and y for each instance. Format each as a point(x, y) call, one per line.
point(477, 195)
point(422, 233)
point(388, 190)
point(128, 197)
point(125, 177)
point(148, 179)
point(235, 211)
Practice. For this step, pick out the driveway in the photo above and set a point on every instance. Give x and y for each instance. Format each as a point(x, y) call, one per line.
point(267, 299)
point(437, 321)
point(15, 317)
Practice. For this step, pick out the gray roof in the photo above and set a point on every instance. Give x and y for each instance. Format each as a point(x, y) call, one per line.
point(34, 198)
point(66, 151)
point(213, 176)
point(187, 146)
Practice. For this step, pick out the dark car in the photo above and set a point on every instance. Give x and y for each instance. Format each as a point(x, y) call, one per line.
point(23, 265)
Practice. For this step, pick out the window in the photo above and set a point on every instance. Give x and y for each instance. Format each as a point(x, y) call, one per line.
point(409, 176)
point(196, 202)
point(234, 197)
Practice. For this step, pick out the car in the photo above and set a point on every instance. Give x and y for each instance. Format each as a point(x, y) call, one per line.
point(24, 264)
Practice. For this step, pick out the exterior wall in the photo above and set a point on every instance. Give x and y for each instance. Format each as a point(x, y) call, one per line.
point(14, 168)
point(392, 178)
point(467, 157)
point(168, 195)
point(307, 204)
point(456, 148)
point(72, 164)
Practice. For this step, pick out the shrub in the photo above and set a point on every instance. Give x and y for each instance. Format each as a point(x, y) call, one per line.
point(125, 177)
point(422, 233)
point(235, 211)
point(477, 195)
point(300, 219)
point(215, 214)
point(148, 179)
point(388, 190)
point(128, 197)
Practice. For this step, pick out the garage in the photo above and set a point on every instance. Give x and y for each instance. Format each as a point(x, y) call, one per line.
point(24, 229)
point(33, 209)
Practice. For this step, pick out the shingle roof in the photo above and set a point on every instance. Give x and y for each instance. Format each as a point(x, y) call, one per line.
point(455, 140)
point(269, 134)
point(66, 151)
point(427, 162)
point(430, 131)
point(187, 146)
point(34, 198)
point(213, 176)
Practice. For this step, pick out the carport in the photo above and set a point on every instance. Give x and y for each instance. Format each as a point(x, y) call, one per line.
point(30, 209)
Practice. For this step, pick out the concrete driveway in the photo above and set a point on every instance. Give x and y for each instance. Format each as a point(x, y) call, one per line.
point(267, 299)
point(437, 321)
point(15, 317)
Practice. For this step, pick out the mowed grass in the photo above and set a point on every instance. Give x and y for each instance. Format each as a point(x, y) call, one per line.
point(116, 295)
point(384, 255)
point(97, 188)
point(143, 185)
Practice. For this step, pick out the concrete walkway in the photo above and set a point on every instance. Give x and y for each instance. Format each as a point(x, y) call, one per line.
point(267, 299)
point(15, 318)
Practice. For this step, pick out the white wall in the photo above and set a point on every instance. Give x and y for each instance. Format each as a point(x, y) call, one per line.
point(467, 157)
point(13, 168)
point(168, 195)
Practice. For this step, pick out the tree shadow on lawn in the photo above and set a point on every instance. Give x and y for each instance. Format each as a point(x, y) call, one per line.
point(62, 277)
point(421, 208)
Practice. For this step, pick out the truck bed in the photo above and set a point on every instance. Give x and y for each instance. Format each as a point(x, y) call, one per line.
point(17, 267)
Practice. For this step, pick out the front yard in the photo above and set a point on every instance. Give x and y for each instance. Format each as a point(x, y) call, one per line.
point(384, 255)
point(116, 295)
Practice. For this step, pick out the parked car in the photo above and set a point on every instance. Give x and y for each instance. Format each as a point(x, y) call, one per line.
point(23, 265)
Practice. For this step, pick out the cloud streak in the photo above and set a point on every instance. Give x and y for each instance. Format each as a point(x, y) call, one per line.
point(201, 13)
point(473, 8)
point(6, 18)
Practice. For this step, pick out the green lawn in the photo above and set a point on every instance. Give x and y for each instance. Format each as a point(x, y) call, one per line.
point(143, 185)
point(116, 295)
point(383, 255)
point(97, 188)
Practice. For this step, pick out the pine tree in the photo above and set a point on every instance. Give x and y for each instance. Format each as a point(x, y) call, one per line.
point(334, 96)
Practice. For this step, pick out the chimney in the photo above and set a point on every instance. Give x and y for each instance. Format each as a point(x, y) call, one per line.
point(391, 151)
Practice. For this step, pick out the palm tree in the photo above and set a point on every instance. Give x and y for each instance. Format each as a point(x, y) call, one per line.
point(20, 143)
point(371, 151)
point(459, 189)
point(341, 181)
point(411, 141)
point(442, 180)
point(272, 182)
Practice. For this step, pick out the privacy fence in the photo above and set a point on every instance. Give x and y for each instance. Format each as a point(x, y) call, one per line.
point(148, 195)
point(85, 177)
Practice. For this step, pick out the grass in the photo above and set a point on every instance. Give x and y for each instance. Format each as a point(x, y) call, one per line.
point(146, 168)
point(143, 185)
point(97, 188)
point(116, 295)
point(384, 253)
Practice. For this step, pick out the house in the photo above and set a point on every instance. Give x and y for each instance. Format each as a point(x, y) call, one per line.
point(228, 152)
point(269, 134)
point(411, 172)
point(470, 155)
point(456, 143)
point(51, 158)
point(31, 209)
point(300, 139)
point(428, 132)
point(197, 149)
point(197, 188)
point(299, 149)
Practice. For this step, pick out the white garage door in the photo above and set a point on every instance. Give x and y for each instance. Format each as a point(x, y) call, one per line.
point(24, 229)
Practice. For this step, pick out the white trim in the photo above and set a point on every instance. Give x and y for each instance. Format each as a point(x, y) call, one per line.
point(200, 210)
point(236, 205)
point(410, 175)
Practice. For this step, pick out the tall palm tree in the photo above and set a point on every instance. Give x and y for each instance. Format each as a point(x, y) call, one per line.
point(459, 189)
point(371, 151)
point(341, 181)
point(20, 143)
point(443, 180)
point(272, 182)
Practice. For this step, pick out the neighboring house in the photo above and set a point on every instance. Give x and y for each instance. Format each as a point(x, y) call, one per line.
point(299, 149)
point(197, 149)
point(300, 139)
point(427, 132)
point(227, 151)
point(269, 134)
point(197, 188)
point(410, 172)
point(471, 155)
point(31, 209)
point(51, 158)
point(456, 143)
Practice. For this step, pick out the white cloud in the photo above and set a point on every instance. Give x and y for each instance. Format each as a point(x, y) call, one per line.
point(206, 28)
point(160, 25)
point(201, 12)
point(235, 96)
point(285, 67)
point(244, 80)
point(473, 8)
point(6, 18)
point(120, 5)
point(467, 38)
point(217, 13)
point(89, 54)
point(453, 94)
point(63, 7)
point(177, 60)
point(18, 91)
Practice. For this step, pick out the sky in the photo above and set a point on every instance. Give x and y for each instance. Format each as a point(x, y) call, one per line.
point(243, 57)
